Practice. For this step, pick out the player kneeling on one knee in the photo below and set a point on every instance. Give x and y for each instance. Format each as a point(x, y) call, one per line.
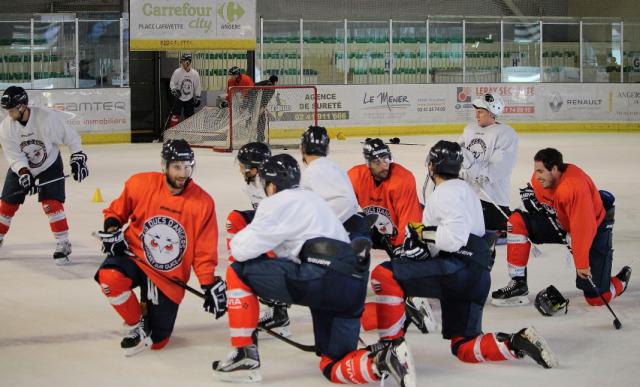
point(159, 228)
point(317, 268)
point(446, 257)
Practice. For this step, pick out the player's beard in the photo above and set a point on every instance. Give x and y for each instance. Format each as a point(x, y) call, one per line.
point(381, 175)
point(178, 183)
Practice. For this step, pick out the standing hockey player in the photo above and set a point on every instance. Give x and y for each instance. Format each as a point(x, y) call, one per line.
point(490, 150)
point(250, 156)
point(446, 257)
point(316, 267)
point(30, 138)
point(161, 226)
point(236, 78)
point(185, 88)
point(563, 201)
point(325, 177)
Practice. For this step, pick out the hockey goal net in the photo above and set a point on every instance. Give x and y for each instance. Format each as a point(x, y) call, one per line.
point(275, 115)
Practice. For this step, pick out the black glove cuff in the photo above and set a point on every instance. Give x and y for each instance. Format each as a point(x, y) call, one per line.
point(111, 222)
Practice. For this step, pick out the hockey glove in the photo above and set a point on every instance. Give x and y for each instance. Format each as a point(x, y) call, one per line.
point(549, 301)
point(215, 298)
point(79, 168)
point(531, 203)
point(224, 104)
point(196, 102)
point(114, 243)
point(414, 246)
point(27, 181)
point(176, 93)
point(381, 241)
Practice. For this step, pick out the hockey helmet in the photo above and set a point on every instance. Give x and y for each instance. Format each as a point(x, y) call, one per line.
point(282, 170)
point(14, 96)
point(235, 70)
point(375, 148)
point(549, 301)
point(186, 57)
point(315, 141)
point(445, 158)
point(253, 154)
point(490, 102)
point(177, 150)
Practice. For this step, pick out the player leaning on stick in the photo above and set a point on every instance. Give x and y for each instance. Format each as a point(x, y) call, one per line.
point(30, 138)
point(316, 267)
point(562, 199)
point(161, 226)
point(446, 257)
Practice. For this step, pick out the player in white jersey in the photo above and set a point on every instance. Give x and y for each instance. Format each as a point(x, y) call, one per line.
point(185, 88)
point(325, 177)
point(30, 138)
point(490, 149)
point(446, 257)
point(315, 267)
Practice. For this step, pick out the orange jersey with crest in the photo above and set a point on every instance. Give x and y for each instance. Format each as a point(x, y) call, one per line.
point(170, 233)
point(578, 207)
point(244, 80)
point(394, 200)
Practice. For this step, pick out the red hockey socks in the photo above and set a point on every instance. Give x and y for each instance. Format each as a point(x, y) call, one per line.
point(57, 219)
point(117, 287)
point(243, 310)
point(354, 368)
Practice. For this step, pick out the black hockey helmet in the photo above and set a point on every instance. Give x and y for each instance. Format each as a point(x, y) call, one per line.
point(186, 56)
point(549, 301)
point(445, 158)
point(235, 70)
point(315, 141)
point(375, 148)
point(253, 154)
point(282, 170)
point(14, 96)
point(177, 150)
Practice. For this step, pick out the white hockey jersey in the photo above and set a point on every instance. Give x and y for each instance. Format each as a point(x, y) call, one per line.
point(36, 145)
point(332, 183)
point(284, 222)
point(490, 155)
point(455, 209)
point(255, 192)
point(188, 82)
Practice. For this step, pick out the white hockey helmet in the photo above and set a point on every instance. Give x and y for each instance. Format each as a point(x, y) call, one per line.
point(490, 102)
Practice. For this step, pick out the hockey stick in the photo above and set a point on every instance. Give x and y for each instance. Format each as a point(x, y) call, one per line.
point(534, 249)
point(166, 122)
point(37, 185)
point(616, 322)
point(399, 143)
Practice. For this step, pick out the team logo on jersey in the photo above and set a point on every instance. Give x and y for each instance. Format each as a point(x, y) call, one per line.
point(164, 241)
point(187, 87)
point(383, 220)
point(35, 151)
point(477, 147)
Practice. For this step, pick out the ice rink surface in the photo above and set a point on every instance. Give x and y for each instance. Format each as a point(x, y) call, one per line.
point(57, 329)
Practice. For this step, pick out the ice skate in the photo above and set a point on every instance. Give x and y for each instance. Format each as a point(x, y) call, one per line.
point(624, 276)
point(528, 342)
point(242, 365)
point(61, 255)
point(514, 294)
point(419, 312)
point(275, 318)
point(137, 340)
point(395, 360)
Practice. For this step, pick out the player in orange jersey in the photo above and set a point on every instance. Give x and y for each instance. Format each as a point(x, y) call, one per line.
point(160, 226)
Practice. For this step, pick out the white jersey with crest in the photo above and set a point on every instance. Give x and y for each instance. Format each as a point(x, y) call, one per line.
point(188, 82)
point(490, 155)
point(332, 183)
point(455, 209)
point(284, 222)
point(36, 145)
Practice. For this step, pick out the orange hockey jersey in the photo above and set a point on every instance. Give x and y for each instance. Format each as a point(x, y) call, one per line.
point(244, 80)
point(170, 233)
point(578, 207)
point(394, 200)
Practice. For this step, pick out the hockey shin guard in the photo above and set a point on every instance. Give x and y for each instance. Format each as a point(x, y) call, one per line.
point(243, 311)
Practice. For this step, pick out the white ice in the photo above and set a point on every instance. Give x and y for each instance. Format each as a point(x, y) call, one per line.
point(57, 329)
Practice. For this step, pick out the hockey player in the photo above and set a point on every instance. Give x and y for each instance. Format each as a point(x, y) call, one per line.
point(160, 226)
point(30, 138)
point(250, 156)
point(563, 201)
point(186, 89)
point(325, 177)
point(446, 257)
point(236, 78)
point(490, 150)
point(316, 267)
point(388, 190)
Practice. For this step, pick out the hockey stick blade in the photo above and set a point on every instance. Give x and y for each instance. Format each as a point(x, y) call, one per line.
point(37, 185)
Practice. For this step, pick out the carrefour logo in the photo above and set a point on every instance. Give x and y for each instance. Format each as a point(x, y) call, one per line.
point(230, 11)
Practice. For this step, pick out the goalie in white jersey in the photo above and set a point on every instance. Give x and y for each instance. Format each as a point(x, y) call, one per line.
point(490, 149)
point(30, 137)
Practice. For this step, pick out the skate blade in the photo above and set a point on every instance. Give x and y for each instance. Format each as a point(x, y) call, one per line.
point(547, 354)
point(141, 347)
point(513, 301)
point(405, 358)
point(282, 331)
point(244, 376)
point(64, 261)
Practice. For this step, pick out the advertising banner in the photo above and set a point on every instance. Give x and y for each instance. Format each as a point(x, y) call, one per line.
point(162, 25)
